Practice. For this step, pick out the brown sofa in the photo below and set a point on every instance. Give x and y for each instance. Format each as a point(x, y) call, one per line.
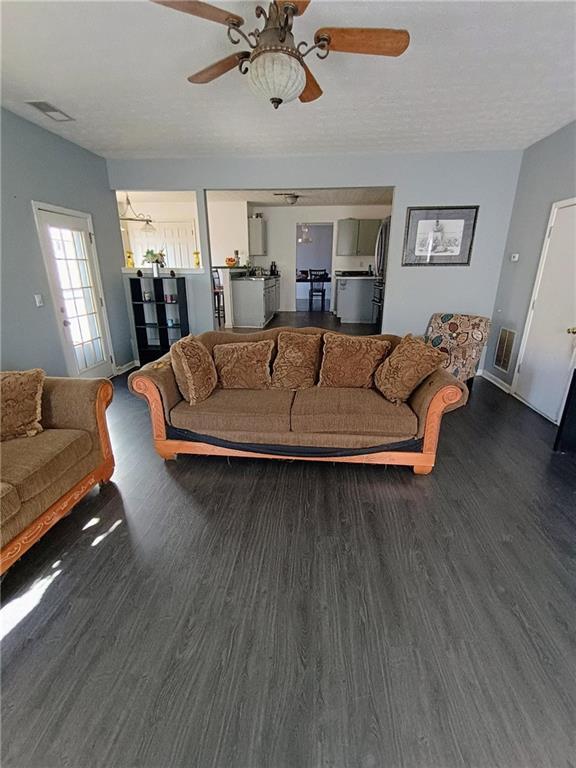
point(43, 477)
point(315, 424)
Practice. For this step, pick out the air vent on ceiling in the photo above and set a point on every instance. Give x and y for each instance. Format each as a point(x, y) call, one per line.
point(504, 349)
point(51, 111)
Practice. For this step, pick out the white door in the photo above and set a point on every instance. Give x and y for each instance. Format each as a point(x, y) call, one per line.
point(70, 257)
point(548, 349)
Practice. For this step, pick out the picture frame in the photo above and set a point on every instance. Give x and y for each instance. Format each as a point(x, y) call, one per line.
point(439, 237)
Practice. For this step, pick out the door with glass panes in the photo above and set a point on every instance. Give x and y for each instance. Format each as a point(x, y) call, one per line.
point(70, 256)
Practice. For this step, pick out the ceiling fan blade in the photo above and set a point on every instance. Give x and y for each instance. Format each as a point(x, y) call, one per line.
point(218, 68)
point(312, 90)
point(203, 10)
point(299, 5)
point(377, 42)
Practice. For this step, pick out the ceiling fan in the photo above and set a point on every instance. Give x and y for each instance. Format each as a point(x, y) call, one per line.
point(274, 62)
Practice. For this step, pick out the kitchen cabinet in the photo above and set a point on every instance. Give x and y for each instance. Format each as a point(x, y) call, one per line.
point(367, 236)
point(256, 236)
point(357, 237)
point(354, 299)
point(255, 301)
point(347, 237)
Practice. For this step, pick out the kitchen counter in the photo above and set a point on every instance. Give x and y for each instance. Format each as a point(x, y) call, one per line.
point(356, 277)
point(255, 277)
point(353, 299)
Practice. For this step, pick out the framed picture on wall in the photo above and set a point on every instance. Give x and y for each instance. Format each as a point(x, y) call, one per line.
point(439, 237)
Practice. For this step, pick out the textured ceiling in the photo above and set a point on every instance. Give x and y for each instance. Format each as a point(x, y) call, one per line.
point(273, 197)
point(477, 75)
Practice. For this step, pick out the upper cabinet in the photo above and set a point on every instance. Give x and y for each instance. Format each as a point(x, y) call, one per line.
point(367, 236)
point(357, 237)
point(256, 236)
point(347, 244)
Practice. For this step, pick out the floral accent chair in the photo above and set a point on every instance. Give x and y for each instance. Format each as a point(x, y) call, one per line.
point(462, 337)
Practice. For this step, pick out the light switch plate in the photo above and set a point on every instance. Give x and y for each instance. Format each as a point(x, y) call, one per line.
point(39, 299)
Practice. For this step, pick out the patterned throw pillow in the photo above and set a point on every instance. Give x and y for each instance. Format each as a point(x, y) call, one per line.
point(245, 365)
point(408, 365)
point(298, 359)
point(350, 361)
point(21, 403)
point(194, 369)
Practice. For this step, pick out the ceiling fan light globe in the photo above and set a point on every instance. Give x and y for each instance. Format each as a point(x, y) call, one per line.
point(277, 76)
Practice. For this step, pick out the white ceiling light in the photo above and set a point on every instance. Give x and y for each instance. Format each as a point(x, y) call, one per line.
point(278, 75)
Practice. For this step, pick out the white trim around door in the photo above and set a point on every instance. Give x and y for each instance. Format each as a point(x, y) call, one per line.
point(81, 222)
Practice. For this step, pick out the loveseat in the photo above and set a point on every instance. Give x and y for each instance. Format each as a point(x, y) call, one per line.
point(313, 424)
point(45, 475)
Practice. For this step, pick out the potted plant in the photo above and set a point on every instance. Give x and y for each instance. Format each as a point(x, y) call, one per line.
point(157, 259)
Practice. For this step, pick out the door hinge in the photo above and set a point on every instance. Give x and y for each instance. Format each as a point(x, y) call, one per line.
point(101, 301)
point(550, 231)
point(91, 236)
point(112, 361)
point(519, 366)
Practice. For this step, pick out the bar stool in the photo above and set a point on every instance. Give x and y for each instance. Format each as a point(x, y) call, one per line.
point(218, 297)
point(317, 287)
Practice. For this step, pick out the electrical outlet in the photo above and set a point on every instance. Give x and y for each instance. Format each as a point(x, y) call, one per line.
point(514, 257)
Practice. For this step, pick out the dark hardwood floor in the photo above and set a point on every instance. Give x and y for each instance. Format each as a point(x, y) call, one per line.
point(319, 320)
point(213, 613)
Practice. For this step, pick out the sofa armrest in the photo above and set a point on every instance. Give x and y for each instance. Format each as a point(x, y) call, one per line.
point(80, 404)
point(69, 403)
point(441, 389)
point(161, 376)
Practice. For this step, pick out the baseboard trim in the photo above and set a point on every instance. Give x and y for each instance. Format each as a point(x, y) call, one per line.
point(120, 369)
point(495, 380)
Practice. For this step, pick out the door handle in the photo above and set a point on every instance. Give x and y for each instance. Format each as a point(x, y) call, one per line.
point(571, 330)
point(66, 323)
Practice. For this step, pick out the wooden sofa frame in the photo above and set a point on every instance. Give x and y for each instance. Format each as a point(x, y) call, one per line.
point(100, 475)
point(421, 462)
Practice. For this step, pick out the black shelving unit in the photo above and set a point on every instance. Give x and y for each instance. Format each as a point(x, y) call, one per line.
point(154, 335)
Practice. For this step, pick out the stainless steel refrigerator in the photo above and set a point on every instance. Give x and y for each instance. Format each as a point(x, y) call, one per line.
point(380, 267)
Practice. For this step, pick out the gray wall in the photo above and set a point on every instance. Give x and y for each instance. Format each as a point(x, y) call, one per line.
point(37, 165)
point(547, 175)
point(487, 179)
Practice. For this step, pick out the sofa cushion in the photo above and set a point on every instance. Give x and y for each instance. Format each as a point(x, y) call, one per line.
point(9, 502)
point(245, 365)
point(408, 365)
point(297, 360)
point(32, 464)
point(350, 361)
point(251, 410)
point(194, 369)
point(353, 411)
point(21, 403)
point(37, 505)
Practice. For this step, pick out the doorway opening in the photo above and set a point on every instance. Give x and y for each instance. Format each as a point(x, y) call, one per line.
point(262, 243)
point(547, 354)
point(313, 267)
